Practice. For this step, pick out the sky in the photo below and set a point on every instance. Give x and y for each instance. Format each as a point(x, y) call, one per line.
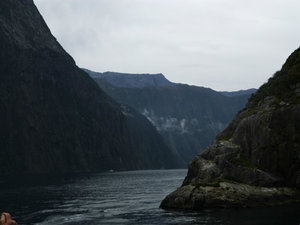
point(226, 45)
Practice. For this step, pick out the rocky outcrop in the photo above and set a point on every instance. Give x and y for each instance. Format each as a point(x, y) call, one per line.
point(256, 159)
point(228, 195)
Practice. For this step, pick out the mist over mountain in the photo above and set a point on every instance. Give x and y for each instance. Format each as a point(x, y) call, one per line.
point(188, 117)
point(54, 117)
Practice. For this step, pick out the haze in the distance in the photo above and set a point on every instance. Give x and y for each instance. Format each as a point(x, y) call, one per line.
point(225, 45)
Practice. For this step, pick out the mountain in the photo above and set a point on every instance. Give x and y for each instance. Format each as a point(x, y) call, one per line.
point(255, 160)
point(188, 117)
point(131, 80)
point(54, 117)
point(238, 93)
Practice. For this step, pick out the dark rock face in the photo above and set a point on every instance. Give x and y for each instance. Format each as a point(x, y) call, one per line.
point(256, 159)
point(53, 116)
point(188, 117)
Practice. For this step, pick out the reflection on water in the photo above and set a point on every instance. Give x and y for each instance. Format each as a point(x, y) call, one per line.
point(119, 198)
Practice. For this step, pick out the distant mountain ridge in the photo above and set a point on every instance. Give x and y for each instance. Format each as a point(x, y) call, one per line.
point(238, 93)
point(129, 80)
point(126, 80)
point(188, 117)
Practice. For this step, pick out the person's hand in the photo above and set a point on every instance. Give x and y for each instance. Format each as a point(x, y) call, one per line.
point(6, 219)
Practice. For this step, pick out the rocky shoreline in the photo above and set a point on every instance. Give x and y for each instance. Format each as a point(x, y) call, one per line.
point(216, 179)
point(229, 195)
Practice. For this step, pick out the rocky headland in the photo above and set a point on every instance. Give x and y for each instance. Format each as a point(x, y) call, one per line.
point(255, 161)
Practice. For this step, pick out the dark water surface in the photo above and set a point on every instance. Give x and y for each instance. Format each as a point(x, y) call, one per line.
point(119, 198)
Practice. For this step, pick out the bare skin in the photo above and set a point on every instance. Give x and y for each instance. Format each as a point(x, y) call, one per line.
point(6, 219)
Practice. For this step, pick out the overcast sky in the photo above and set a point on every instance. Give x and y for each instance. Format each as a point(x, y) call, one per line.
point(221, 44)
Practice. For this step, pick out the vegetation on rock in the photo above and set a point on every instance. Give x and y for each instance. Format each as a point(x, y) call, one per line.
point(259, 151)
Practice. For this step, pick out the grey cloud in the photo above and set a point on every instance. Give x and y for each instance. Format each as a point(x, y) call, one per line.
point(236, 44)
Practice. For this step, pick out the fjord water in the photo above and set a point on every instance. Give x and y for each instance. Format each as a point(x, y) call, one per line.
point(119, 198)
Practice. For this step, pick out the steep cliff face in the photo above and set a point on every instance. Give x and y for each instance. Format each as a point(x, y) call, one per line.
point(256, 159)
point(188, 117)
point(53, 116)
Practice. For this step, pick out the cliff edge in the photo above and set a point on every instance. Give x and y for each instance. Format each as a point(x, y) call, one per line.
point(255, 161)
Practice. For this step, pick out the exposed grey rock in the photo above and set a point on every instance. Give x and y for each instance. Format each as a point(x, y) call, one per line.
point(228, 195)
point(255, 160)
